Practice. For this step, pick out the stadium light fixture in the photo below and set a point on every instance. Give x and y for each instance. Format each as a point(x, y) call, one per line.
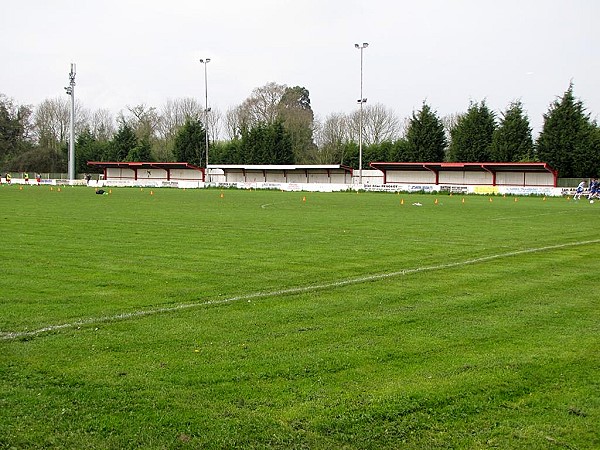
point(361, 101)
point(205, 61)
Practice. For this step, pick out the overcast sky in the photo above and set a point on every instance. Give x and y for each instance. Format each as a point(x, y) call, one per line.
point(446, 52)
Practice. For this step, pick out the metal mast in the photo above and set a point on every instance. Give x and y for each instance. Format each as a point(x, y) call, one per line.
point(205, 61)
point(71, 91)
point(361, 101)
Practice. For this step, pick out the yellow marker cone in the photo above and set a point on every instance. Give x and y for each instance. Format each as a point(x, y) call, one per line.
point(304, 199)
point(151, 192)
point(463, 201)
point(20, 188)
point(544, 198)
point(110, 191)
point(51, 188)
point(58, 189)
point(491, 199)
point(402, 202)
point(516, 199)
point(222, 195)
point(436, 201)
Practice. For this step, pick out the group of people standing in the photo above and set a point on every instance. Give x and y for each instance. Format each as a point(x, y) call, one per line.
point(8, 178)
point(593, 192)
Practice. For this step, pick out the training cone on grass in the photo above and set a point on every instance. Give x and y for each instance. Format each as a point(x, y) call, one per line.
point(436, 202)
point(463, 201)
point(304, 199)
point(151, 192)
point(222, 195)
point(516, 199)
point(491, 199)
point(402, 202)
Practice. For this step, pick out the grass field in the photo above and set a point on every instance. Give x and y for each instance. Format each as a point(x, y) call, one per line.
point(254, 319)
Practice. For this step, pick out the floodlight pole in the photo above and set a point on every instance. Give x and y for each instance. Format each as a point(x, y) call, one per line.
point(361, 100)
point(71, 92)
point(205, 61)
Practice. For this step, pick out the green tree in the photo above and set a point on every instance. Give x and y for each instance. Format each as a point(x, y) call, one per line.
point(297, 116)
point(122, 143)
point(399, 151)
point(267, 144)
point(567, 137)
point(39, 159)
point(190, 143)
point(380, 152)
point(252, 145)
point(141, 152)
point(586, 154)
point(15, 125)
point(425, 137)
point(471, 137)
point(512, 141)
point(227, 152)
point(88, 148)
point(280, 144)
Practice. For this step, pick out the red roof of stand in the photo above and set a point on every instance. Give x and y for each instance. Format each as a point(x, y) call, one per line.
point(465, 166)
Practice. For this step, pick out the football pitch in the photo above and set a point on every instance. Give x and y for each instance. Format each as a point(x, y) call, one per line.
point(263, 319)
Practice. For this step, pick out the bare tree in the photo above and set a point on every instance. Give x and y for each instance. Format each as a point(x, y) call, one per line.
point(262, 105)
point(51, 122)
point(234, 122)
point(102, 124)
point(379, 124)
point(450, 121)
point(144, 120)
point(331, 136)
point(174, 114)
point(213, 126)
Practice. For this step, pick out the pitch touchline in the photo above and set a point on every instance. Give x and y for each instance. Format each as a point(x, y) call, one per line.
point(296, 290)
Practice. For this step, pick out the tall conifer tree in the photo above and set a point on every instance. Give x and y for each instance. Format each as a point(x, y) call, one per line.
point(426, 140)
point(512, 141)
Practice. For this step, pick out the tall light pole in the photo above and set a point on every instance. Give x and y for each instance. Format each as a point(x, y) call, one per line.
point(361, 100)
point(205, 61)
point(71, 91)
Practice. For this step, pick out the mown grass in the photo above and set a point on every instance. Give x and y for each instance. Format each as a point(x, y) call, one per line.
point(477, 345)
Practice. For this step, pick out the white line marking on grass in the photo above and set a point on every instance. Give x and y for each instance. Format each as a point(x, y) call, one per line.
point(290, 291)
